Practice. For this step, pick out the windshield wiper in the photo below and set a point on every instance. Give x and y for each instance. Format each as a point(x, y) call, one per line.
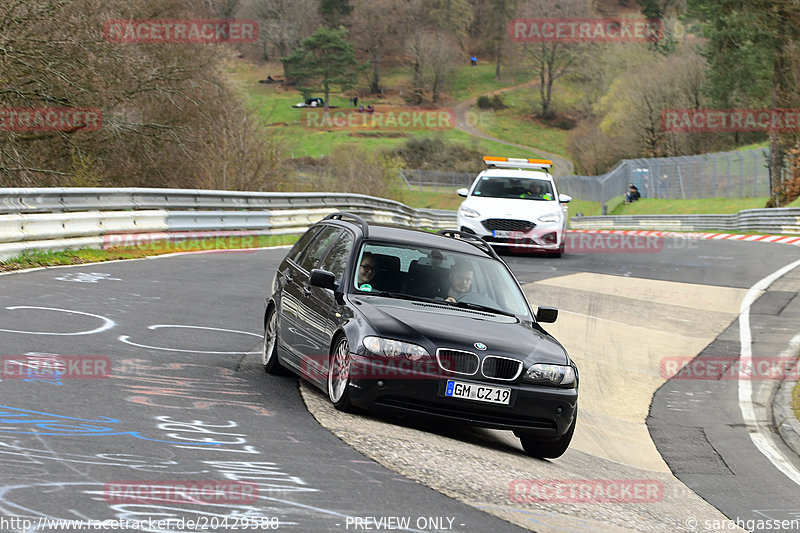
point(479, 307)
point(404, 296)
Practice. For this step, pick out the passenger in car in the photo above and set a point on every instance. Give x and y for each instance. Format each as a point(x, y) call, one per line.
point(460, 281)
point(535, 190)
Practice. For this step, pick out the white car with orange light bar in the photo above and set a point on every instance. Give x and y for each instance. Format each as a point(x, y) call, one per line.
point(514, 203)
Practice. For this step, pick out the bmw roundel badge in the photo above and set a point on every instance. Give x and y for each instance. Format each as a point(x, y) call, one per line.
point(480, 346)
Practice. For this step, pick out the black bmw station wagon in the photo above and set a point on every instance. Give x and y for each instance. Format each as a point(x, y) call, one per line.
point(398, 320)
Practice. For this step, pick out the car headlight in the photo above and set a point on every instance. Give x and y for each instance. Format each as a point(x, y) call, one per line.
point(469, 212)
point(560, 375)
point(552, 217)
point(391, 348)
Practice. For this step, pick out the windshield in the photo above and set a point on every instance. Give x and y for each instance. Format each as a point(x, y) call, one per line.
point(400, 271)
point(508, 187)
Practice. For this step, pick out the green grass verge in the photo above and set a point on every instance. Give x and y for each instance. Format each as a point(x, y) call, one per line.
point(589, 209)
point(517, 123)
point(272, 104)
point(473, 81)
point(698, 206)
point(78, 257)
point(431, 199)
point(512, 126)
point(754, 146)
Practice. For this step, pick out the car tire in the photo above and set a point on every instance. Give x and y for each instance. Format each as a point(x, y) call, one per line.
point(269, 347)
point(548, 449)
point(339, 375)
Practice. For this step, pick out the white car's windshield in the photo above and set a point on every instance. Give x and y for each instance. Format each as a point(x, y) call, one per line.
point(449, 277)
point(508, 187)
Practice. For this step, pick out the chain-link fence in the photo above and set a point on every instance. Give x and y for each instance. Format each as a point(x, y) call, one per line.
point(738, 174)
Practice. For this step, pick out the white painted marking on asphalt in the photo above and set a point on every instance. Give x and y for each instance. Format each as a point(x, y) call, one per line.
point(87, 277)
point(125, 339)
point(107, 322)
point(759, 435)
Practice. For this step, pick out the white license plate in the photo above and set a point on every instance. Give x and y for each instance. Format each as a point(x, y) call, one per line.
point(502, 234)
point(481, 393)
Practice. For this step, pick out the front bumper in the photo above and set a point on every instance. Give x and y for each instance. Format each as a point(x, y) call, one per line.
point(533, 409)
point(544, 236)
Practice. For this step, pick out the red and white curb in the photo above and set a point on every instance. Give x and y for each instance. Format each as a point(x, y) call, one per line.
point(780, 239)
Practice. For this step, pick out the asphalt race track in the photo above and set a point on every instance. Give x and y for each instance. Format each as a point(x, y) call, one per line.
point(163, 387)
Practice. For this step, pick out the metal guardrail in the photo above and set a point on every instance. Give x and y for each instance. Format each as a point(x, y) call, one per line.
point(58, 199)
point(72, 218)
point(784, 220)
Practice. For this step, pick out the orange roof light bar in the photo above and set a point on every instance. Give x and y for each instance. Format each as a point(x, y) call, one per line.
point(511, 162)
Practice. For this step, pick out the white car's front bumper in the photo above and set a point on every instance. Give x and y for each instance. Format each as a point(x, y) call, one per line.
point(546, 236)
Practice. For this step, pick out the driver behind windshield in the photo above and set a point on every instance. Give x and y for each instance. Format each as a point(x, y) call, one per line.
point(367, 270)
point(460, 281)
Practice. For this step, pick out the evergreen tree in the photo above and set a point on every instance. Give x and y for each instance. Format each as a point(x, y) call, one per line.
point(323, 60)
point(334, 12)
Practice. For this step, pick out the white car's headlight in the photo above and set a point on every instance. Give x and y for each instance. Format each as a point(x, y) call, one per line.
point(391, 348)
point(552, 217)
point(560, 375)
point(468, 212)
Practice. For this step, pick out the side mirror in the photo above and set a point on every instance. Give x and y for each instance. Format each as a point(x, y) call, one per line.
point(463, 192)
point(564, 198)
point(323, 278)
point(546, 315)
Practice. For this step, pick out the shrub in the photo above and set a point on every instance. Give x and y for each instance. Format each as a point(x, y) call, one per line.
point(433, 153)
point(495, 102)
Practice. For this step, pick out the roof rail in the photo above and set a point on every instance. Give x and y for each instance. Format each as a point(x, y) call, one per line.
point(340, 215)
point(473, 239)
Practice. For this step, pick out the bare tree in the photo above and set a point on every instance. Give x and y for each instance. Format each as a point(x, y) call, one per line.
point(498, 16)
point(554, 60)
point(432, 47)
point(434, 56)
point(379, 29)
point(160, 103)
point(282, 24)
point(633, 107)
